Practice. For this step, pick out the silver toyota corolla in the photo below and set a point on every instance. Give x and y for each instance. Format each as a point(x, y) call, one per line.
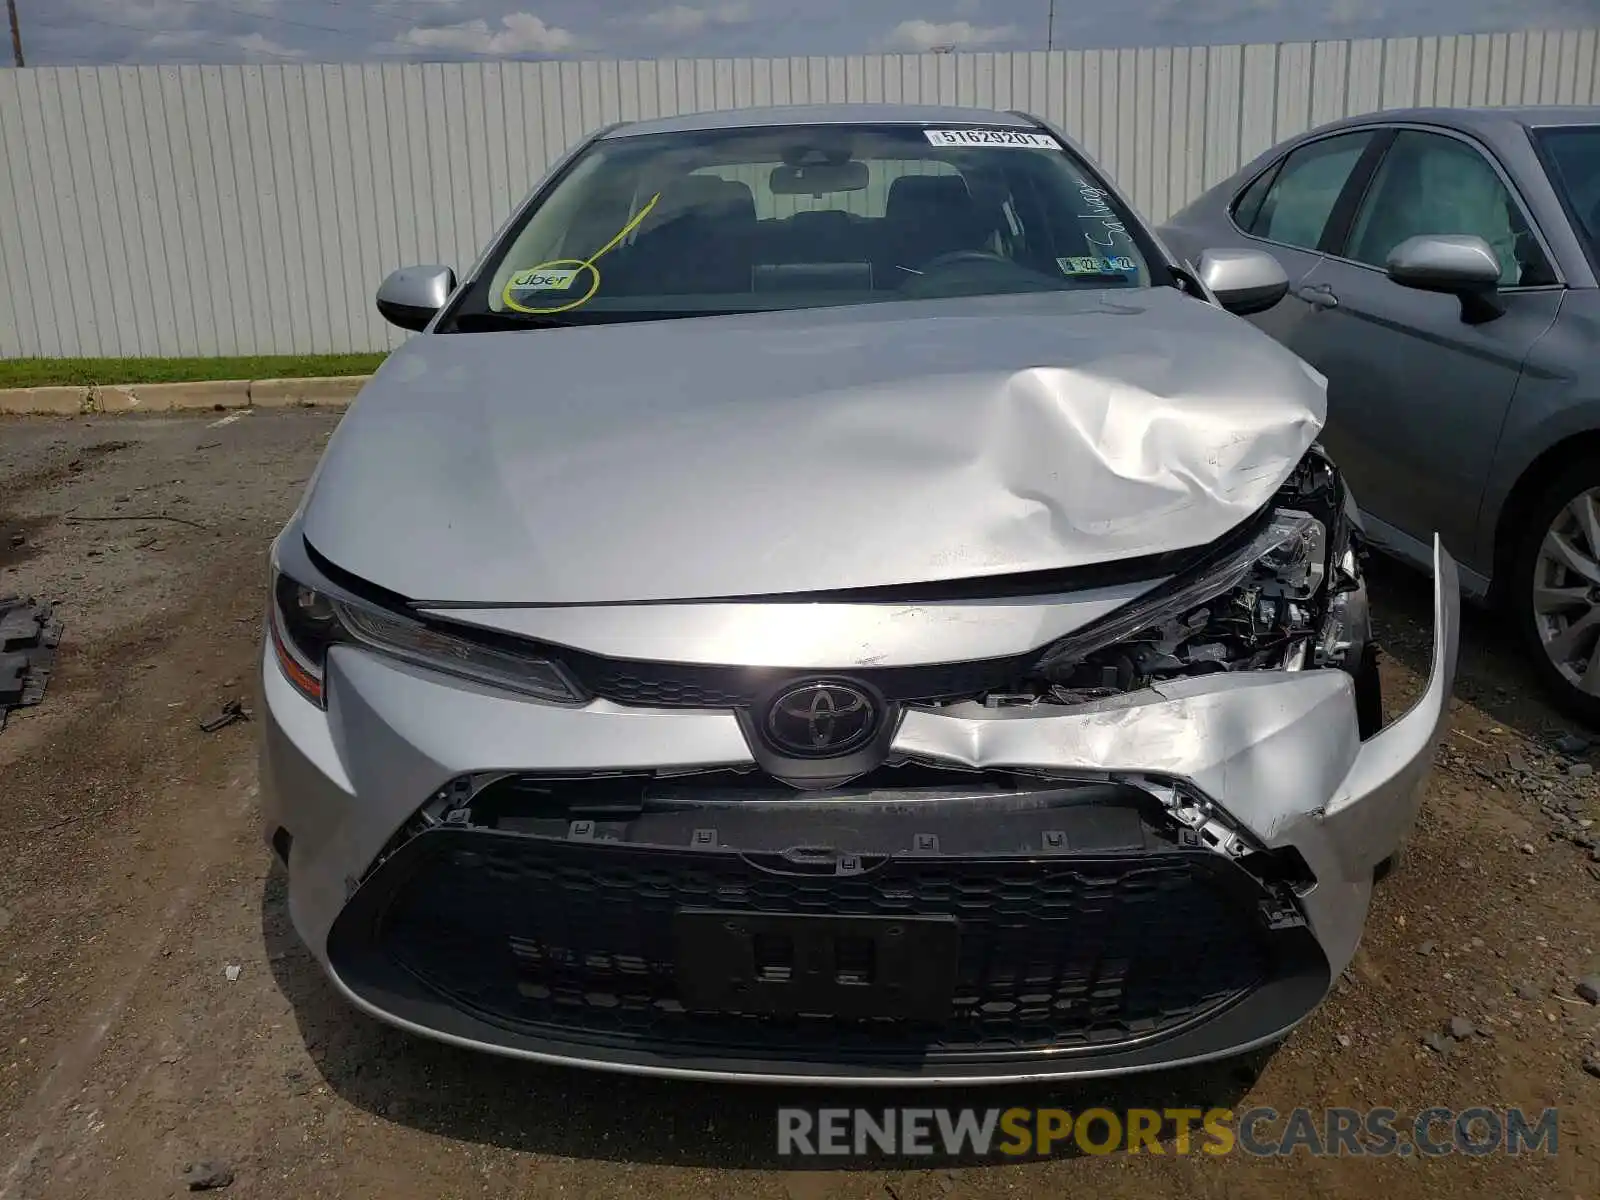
point(827, 597)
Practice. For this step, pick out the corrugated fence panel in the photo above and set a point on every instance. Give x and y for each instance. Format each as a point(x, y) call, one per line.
point(1364, 92)
point(1223, 67)
point(19, 330)
point(1258, 101)
point(100, 231)
point(65, 332)
point(1293, 90)
point(254, 209)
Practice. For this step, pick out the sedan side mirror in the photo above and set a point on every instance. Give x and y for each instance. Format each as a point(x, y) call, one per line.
point(1456, 264)
point(411, 296)
point(1243, 281)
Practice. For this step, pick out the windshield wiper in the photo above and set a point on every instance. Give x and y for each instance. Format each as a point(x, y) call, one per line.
point(490, 322)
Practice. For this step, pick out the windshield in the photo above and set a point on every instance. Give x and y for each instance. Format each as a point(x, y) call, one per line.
point(1573, 156)
point(718, 221)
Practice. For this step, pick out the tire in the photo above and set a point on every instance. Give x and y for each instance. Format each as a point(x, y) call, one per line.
point(1369, 720)
point(1396, 860)
point(1556, 511)
point(1369, 693)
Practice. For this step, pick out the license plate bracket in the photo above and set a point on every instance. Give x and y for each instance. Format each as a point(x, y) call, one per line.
point(779, 964)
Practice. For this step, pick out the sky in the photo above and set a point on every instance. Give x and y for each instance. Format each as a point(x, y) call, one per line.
point(72, 32)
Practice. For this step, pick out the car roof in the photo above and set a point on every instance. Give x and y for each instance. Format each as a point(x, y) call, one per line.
point(1486, 122)
point(823, 114)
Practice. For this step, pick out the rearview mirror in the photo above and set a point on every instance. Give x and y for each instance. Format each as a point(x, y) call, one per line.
point(1456, 264)
point(818, 179)
point(1243, 281)
point(411, 296)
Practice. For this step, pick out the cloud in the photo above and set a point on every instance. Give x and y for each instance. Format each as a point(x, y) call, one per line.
point(179, 39)
point(928, 35)
point(1342, 13)
point(257, 46)
point(138, 12)
point(677, 20)
point(1212, 12)
point(519, 33)
point(407, 9)
point(248, 47)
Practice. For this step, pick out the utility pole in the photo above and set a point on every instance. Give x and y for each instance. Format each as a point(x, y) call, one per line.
point(16, 32)
point(1049, 28)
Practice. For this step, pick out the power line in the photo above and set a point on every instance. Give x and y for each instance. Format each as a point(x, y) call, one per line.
point(193, 37)
point(257, 16)
point(373, 10)
point(213, 6)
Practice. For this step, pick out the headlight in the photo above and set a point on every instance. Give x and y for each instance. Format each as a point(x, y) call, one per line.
point(306, 623)
point(1285, 562)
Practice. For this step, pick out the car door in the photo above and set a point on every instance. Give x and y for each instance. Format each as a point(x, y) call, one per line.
point(1290, 205)
point(1417, 393)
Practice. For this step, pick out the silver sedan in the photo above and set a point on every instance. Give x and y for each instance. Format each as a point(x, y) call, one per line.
point(827, 597)
point(1443, 267)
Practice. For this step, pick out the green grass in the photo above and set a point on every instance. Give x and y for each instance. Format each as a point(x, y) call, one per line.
point(80, 372)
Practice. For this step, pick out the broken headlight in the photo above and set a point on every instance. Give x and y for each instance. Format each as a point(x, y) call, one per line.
point(1281, 594)
point(1260, 589)
point(306, 624)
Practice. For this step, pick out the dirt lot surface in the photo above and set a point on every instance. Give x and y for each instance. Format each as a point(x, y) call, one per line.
point(133, 879)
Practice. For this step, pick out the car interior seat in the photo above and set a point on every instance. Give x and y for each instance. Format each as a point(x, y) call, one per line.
point(926, 216)
point(697, 239)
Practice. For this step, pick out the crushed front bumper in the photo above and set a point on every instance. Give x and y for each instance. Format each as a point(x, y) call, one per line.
point(1170, 878)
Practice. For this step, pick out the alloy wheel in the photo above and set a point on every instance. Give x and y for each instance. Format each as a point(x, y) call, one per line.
point(1566, 592)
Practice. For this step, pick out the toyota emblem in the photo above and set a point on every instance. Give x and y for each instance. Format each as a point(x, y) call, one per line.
point(822, 720)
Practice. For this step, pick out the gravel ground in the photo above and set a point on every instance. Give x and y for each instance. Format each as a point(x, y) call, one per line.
point(134, 880)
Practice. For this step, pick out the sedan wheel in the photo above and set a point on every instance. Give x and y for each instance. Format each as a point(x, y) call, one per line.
point(1560, 579)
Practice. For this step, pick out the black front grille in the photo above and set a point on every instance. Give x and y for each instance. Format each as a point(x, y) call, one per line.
point(695, 685)
point(665, 685)
point(573, 940)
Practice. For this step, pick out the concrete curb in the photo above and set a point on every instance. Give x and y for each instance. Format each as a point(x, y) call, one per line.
point(212, 395)
point(285, 393)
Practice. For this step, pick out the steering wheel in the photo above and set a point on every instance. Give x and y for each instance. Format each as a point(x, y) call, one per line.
point(951, 258)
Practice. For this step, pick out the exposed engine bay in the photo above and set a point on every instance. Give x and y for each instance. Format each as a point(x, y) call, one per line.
point(1285, 593)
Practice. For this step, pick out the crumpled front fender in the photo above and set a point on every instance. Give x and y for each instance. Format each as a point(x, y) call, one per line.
point(1278, 752)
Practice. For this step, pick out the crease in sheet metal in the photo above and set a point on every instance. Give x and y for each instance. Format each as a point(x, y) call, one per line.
point(809, 451)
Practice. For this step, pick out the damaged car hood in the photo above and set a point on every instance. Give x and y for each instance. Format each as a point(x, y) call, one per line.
point(809, 451)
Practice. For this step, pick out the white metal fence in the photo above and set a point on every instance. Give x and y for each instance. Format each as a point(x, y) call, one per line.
point(254, 209)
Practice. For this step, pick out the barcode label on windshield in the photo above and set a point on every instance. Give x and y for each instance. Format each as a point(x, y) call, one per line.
point(1015, 139)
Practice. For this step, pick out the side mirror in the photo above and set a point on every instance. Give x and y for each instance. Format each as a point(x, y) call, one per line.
point(1456, 264)
point(411, 296)
point(1243, 281)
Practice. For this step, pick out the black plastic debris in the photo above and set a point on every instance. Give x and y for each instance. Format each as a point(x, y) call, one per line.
point(233, 710)
point(29, 634)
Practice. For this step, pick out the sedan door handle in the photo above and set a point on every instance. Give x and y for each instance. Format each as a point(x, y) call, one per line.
point(1318, 295)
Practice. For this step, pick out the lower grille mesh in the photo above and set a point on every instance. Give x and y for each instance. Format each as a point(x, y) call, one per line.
point(576, 939)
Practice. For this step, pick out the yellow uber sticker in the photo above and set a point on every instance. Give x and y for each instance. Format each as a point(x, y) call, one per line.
point(543, 281)
point(559, 274)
